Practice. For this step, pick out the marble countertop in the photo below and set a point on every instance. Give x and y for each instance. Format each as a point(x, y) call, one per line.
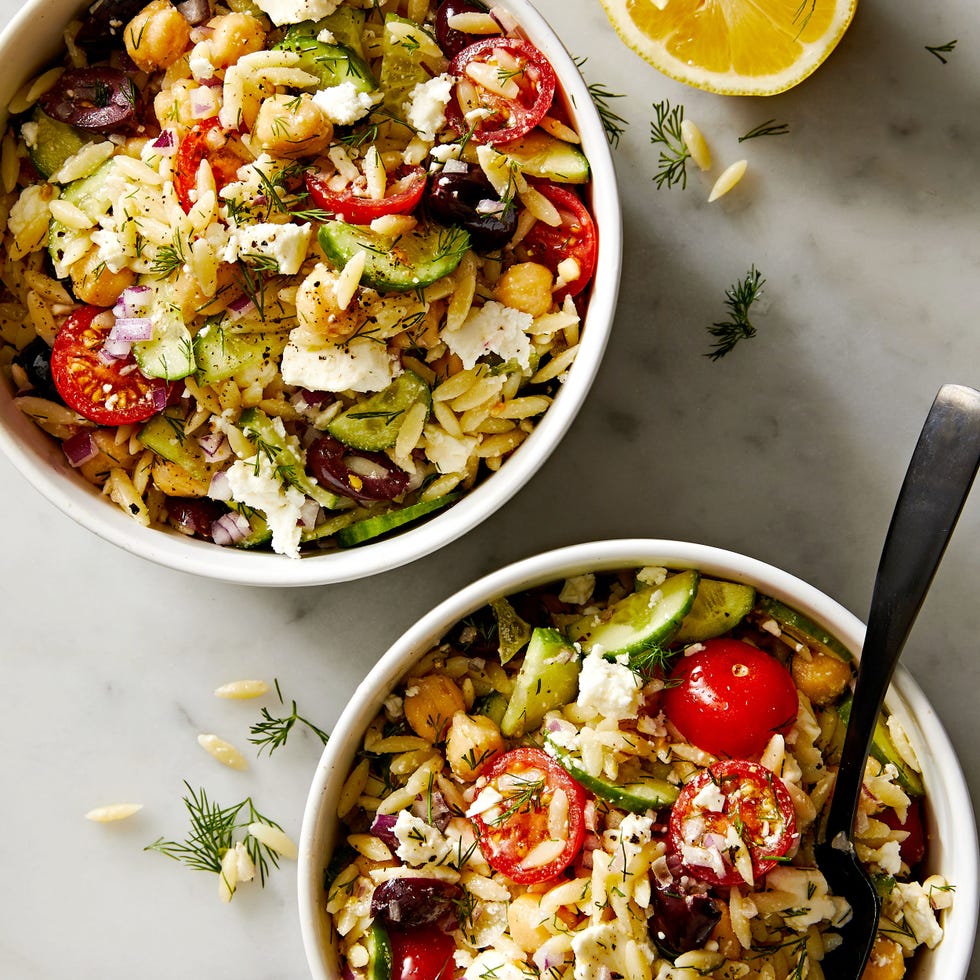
point(863, 221)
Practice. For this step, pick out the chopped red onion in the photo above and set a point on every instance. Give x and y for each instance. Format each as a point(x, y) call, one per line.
point(490, 206)
point(165, 145)
point(239, 308)
point(195, 11)
point(80, 448)
point(133, 301)
point(204, 103)
point(113, 350)
point(309, 513)
point(212, 444)
point(132, 328)
point(230, 528)
point(220, 487)
point(159, 396)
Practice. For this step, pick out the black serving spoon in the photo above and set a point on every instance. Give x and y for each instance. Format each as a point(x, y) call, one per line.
point(939, 477)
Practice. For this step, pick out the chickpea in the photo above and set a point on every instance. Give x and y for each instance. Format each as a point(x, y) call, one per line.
point(235, 35)
point(93, 282)
point(526, 922)
point(527, 287)
point(292, 126)
point(173, 105)
point(157, 36)
point(471, 742)
point(430, 703)
point(822, 678)
point(886, 961)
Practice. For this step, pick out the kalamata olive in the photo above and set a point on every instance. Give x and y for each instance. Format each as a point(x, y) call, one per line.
point(451, 40)
point(35, 359)
point(194, 515)
point(683, 918)
point(103, 25)
point(465, 197)
point(354, 473)
point(100, 100)
point(414, 903)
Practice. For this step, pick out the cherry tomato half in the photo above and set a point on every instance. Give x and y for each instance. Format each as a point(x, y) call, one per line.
point(506, 65)
point(208, 141)
point(113, 393)
point(729, 698)
point(401, 196)
point(732, 823)
point(574, 238)
point(421, 954)
point(913, 848)
point(534, 830)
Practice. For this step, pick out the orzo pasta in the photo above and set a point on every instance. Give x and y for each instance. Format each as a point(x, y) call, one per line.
point(292, 273)
point(620, 776)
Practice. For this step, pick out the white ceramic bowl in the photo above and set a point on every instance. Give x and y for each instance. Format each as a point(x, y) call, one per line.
point(952, 831)
point(30, 41)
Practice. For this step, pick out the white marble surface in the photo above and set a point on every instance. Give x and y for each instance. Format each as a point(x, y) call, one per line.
point(864, 222)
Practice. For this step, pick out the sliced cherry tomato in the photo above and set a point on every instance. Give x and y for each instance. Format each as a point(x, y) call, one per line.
point(208, 141)
point(518, 91)
point(401, 196)
point(109, 392)
point(913, 848)
point(729, 698)
point(574, 238)
point(421, 954)
point(529, 815)
point(732, 823)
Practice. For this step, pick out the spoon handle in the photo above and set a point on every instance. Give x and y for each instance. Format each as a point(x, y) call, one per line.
point(938, 480)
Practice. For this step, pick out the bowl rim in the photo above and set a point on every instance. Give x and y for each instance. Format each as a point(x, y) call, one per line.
point(39, 460)
point(951, 807)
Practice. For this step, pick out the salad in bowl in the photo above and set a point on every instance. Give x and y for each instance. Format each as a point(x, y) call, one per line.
point(622, 771)
point(294, 275)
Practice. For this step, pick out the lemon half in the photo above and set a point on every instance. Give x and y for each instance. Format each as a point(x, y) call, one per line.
point(733, 47)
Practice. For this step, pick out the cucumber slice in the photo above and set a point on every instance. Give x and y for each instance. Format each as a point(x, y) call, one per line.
point(374, 423)
point(170, 354)
point(221, 353)
point(347, 26)
point(165, 435)
point(492, 706)
point(92, 196)
point(548, 678)
point(798, 627)
point(396, 264)
point(261, 430)
point(641, 620)
point(636, 795)
point(883, 749)
point(332, 64)
point(54, 144)
point(373, 527)
point(513, 633)
point(539, 154)
point(378, 945)
point(718, 607)
point(402, 46)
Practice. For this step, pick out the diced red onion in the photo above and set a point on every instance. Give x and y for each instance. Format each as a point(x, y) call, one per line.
point(433, 809)
point(132, 328)
point(309, 513)
point(239, 308)
point(165, 145)
point(113, 350)
point(220, 487)
point(490, 206)
point(133, 301)
point(212, 82)
point(230, 528)
point(195, 11)
point(453, 166)
point(159, 398)
point(212, 444)
point(383, 827)
point(80, 448)
point(504, 18)
point(204, 103)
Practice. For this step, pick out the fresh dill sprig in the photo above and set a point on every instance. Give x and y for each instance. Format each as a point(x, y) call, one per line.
point(613, 124)
point(169, 258)
point(769, 128)
point(524, 796)
point(650, 663)
point(666, 131)
point(739, 298)
point(212, 835)
point(940, 49)
point(271, 733)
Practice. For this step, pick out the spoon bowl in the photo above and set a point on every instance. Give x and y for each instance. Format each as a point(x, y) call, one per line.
point(940, 474)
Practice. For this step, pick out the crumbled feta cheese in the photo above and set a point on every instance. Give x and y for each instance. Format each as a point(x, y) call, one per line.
point(578, 589)
point(419, 843)
point(651, 575)
point(607, 687)
point(493, 963)
point(293, 11)
point(326, 37)
point(359, 365)
point(253, 482)
point(488, 798)
point(710, 797)
point(285, 244)
point(492, 329)
point(911, 903)
point(426, 106)
point(446, 151)
point(343, 104)
point(29, 132)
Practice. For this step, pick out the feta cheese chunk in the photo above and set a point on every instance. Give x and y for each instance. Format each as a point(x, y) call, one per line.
point(359, 365)
point(294, 11)
point(425, 109)
point(285, 244)
point(343, 104)
point(419, 843)
point(492, 329)
point(253, 482)
point(607, 687)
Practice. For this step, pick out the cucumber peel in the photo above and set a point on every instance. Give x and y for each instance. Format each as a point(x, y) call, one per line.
point(373, 527)
point(797, 626)
point(718, 607)
point(641, 620)
point(883, 749)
